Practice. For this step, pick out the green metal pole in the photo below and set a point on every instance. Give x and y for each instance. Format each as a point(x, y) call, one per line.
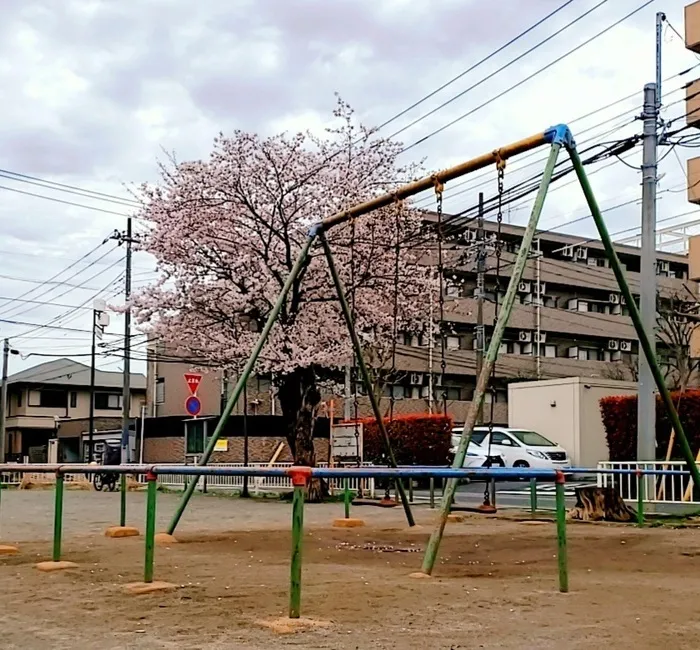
point(432, 491)
point(346, 496)
point(533, 495)
point(58, 518)
point(561, 534)
point(491, 354)
point(299, 265)
point(642, 335)
point(641, 489)
point(410, 489)
point(347, 315)
point(297, 539)
point(122, 495)
point(150, 526)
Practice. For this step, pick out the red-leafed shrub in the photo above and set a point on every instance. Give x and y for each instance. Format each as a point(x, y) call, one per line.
point(416, 439)
point(620, 422)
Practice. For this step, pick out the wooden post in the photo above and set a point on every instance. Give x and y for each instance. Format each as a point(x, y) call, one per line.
point(562, 559)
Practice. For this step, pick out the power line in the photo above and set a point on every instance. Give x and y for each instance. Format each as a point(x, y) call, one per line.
point(68, 189)
point(49, 289)
point(498, 71)
point(77, 205)
point(528, 78)
point(41, 283)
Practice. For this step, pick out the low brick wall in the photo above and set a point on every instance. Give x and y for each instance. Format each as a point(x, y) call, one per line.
point(260, 450)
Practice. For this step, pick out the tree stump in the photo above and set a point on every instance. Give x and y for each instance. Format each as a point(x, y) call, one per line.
point(600, 504)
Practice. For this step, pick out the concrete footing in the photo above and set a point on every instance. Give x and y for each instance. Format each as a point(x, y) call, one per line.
point(348, 523)
point(165, 539)
point(5, 549)
point(122, 531)
point(50, 566)
point(140, 588)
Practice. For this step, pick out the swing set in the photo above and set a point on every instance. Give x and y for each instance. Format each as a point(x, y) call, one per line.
point(557, 137)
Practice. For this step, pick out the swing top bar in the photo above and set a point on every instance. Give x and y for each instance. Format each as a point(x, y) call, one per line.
point(559, 134)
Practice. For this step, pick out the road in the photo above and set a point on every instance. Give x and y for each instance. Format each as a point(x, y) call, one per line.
point(509, 494)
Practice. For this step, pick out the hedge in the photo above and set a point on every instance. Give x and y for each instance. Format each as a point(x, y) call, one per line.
point(418, 439)
point(620, 422)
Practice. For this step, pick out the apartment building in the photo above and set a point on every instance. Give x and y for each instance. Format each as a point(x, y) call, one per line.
point(570, 320)
point(42, 398)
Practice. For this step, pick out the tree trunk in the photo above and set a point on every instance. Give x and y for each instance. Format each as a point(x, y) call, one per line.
point(600, 504)
point(300, 398)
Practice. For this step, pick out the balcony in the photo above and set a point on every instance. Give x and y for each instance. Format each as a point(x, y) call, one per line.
point(692, 27)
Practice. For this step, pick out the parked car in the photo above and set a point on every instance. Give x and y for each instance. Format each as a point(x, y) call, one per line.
point(476, 456)
point(519, 447)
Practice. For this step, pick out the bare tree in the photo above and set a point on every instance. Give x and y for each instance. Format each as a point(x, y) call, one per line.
point(676, 322)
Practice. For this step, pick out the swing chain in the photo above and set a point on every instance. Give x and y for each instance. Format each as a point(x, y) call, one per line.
point(439, 187)
point(500, 166)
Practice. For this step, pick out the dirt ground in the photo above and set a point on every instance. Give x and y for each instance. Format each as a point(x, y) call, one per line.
point(495, 585)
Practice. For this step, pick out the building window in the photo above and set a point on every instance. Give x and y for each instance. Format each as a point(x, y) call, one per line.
point(550, 351)
point(73, 399)
point(108, 401)
point(452, 342)
point(52, 399)
point(160, 390)
point(195, 434)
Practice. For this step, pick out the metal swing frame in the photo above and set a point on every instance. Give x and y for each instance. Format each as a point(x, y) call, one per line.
point(557, 137)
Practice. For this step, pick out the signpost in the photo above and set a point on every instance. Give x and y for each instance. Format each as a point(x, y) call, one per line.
point(193, 380)
point(193, 406)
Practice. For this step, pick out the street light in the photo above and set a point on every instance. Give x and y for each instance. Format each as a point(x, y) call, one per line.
point(6, 352)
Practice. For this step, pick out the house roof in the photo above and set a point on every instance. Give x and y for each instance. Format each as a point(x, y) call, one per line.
point(66, 372)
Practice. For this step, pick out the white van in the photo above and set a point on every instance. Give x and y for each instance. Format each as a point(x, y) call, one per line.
point(519, 447)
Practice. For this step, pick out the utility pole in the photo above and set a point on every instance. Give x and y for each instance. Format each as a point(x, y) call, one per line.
point(3, 397)
point(126, 392)
point(660, 18)
point(480, 288)
point(538, 310)
point(91, 416)
point(126, 238)
point(646, 405)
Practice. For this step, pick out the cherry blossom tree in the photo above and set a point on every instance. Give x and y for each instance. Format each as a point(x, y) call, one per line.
point(226, 232)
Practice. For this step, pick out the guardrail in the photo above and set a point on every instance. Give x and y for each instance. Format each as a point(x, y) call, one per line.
point(664, 481)
point(259, 484)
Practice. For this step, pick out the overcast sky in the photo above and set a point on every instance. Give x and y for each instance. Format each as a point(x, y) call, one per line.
point(95, 91)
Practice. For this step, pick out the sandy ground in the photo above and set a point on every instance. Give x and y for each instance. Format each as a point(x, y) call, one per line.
point(494, 587)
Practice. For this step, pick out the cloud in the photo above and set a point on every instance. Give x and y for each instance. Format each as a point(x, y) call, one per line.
point(95, 91)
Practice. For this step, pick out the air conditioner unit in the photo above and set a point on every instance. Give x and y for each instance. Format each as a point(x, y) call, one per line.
point(540, 337)
point(573, 353)
point(524, 336)
point(614, 298)
point(470, 235)
point(613, 344)
point(451, 290)
point(526, 349)
point(581, 253)
point(524, 287)
point(616, 356)
point(592, 261)
point(622, 300)
point(568, 251)
point(626, 346)
point(542, 287)
point(663, 266)
point(416, 378)
point(572, 304)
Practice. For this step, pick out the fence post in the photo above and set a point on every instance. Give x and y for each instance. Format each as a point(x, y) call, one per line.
point(58, 518)
point(151, 479)
point(533, 495)
point(300, 478)
point(641, 489)
point(346, 496)
point(432, 491)
point(561, 533)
